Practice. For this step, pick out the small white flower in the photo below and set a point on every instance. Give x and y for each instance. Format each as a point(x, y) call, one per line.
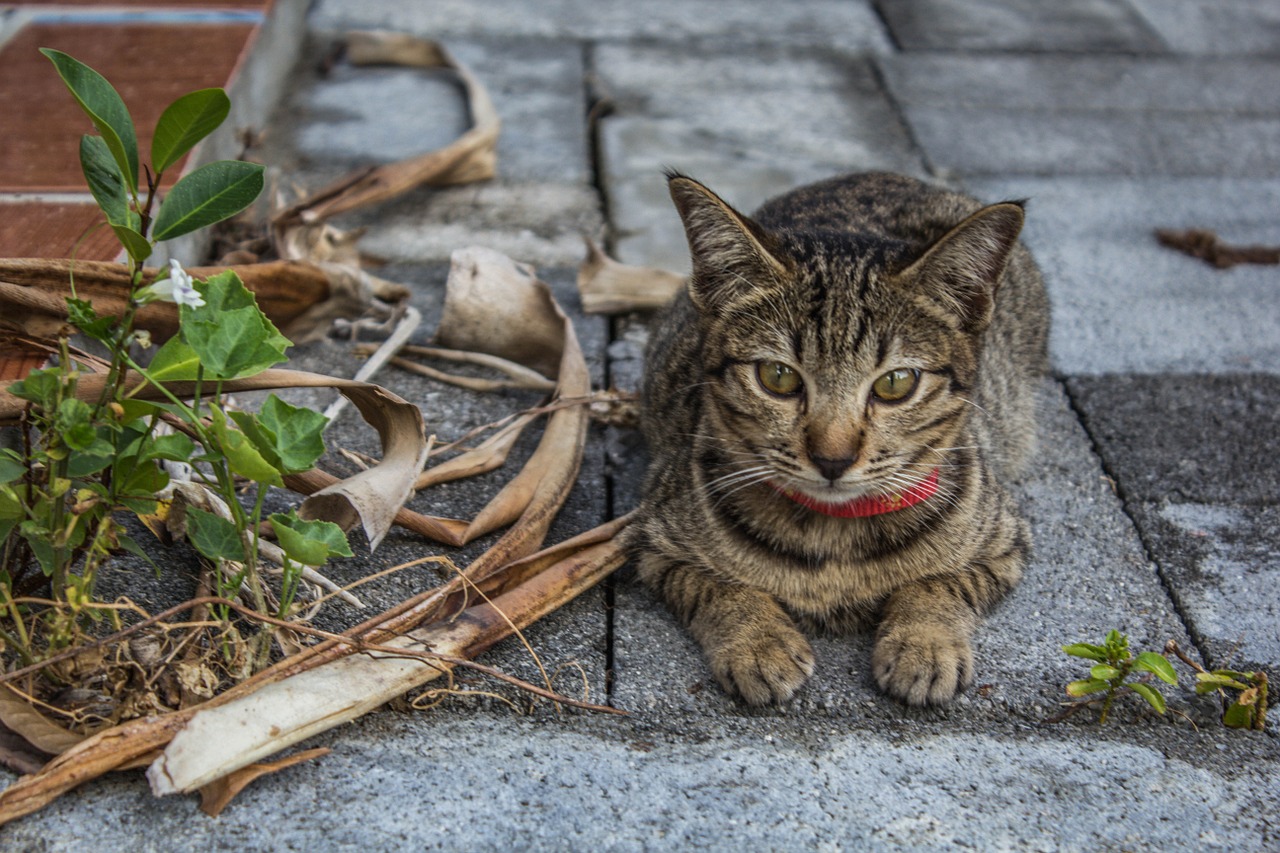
point(178, 287)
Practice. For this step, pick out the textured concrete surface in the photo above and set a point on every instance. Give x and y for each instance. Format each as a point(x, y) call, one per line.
point(1153, 495)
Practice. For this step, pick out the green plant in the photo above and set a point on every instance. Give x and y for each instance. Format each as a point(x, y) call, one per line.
point(1113, 666)
point(1247, 709)
point(89, 450)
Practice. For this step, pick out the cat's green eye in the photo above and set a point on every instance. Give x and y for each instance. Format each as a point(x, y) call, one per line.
point(895, 385)
point(777, 378)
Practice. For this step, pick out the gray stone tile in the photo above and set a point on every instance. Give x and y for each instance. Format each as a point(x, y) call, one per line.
point(1220, 28)
point(536, 209)
point(579, 782)
point(985, 142)
point(846, 24)
point(1089, 83)
point(1188, 439)
point(1095, 26)
point(753, 125)
point(1124, 303)
point(1187, 451)
point(1058, 115)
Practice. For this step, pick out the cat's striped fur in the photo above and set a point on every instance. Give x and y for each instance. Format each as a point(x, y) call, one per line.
point(842, 282)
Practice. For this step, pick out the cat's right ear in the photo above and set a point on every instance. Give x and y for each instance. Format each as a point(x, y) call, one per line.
point(730, 252)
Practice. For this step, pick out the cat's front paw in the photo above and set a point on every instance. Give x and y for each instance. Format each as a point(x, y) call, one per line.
point(922, 664)
point(768, 663)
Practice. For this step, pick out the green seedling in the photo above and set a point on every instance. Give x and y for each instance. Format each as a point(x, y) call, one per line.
point(1114, 666)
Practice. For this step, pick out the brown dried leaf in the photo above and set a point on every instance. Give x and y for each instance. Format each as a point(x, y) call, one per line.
point(23, 719)
point(470, 157)
point(300, 297)
point(497, 306)
point(609, 287)
point(218, 794)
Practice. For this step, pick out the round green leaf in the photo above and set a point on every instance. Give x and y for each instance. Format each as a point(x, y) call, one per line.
point(102, 103)
point(298, 433)
point(229, 334)
point(210, 194)
point(214, 536)
point(184, 123)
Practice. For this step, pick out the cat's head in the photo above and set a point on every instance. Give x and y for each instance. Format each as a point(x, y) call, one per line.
point(839, 364)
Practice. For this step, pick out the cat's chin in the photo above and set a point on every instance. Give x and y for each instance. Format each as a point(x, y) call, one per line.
point(847, 503)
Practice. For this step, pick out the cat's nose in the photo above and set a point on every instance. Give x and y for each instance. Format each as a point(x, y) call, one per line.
point(831, 468)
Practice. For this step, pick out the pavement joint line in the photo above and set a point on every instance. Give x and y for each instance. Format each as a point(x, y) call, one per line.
point(1126, 504)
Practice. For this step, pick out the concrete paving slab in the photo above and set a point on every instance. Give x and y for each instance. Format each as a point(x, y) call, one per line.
point(1009, 142)
point(1095, 26)
point(1085, 83)
point(1191, 481)
point(1223, 28)
point(486, 781)
point(725, 132)
point(1124, 303)
point(541, 202)
point(1062, 115)
point(827, 23)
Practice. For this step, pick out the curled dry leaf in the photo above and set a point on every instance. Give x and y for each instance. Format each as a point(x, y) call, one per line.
point(300, 297)
point(215, 796)
point(607, 286)
point(497, 306)
point(470, 157)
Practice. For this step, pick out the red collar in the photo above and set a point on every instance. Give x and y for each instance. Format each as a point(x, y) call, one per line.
point(868, 505)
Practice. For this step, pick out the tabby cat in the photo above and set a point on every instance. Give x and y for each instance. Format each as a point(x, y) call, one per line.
point(830, 407)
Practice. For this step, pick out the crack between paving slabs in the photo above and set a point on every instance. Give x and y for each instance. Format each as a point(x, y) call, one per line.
point(597, 105)
point(1125, 505)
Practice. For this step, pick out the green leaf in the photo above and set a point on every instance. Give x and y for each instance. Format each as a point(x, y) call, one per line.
point(1084, 688)
point(210, 194)
point(1086, 650)
point(309, 542)
point(184, 123)
point(1207, 682)
point(241, 455)
point(299, 439)
point(175, 446)
point(102, 103)
point(1105, 672)
point(10, 468)
point(105, 181)
point(175, 361)
point(138, 247)
point(40, 386)
point(1158, 665)
point(1154, 698)
point(214, 536)
point(1239, 716)
point(81, 314)
point(262, 439)
point(129, 544)
point(229, 334)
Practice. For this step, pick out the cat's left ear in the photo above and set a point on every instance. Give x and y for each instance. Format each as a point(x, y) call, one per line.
point(962, 269)
point(730, 251)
